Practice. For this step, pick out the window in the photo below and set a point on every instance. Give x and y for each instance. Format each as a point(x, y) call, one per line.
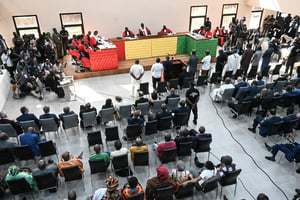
point(27, 24)
point(197, 17)
point(72, 22)
point(228, 12)
point(255, 19)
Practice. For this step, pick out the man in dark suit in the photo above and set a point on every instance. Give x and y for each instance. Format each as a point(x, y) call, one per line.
point(193, 62)
point(28, 116)
point(48, 115)
point(184, 136)
point(4, 120)
point(287, 98)
point(240, 83)
point(182, 108)
point(290, 116)
point(265, 123)
point(164, 112)
point(172, 95)
point(66, 112)
point(167, 68)
point(136, 118)
point(44, 168)
point(141, 99)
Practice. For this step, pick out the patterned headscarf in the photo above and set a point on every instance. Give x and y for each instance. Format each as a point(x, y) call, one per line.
point(111, 183)
point(13, 170)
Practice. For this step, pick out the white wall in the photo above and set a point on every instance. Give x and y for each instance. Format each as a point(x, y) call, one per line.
point(110, 17)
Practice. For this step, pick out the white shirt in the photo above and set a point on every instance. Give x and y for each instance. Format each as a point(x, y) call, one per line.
point(206, 174)
point(156, 70)
point(137, 70)
point(206, 62)
point(6, 60)
point(122, 151)
point(233, 62)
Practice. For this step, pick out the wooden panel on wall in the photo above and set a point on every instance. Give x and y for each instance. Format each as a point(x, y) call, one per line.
point(164, 46)
point(137, 49)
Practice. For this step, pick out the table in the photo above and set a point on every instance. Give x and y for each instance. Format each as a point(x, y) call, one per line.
point(104, 59)
point(69, 88)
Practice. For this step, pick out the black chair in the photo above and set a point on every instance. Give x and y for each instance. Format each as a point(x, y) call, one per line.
point(184, 192)
point(173, 83)
point(202, 80)
point(70, 121)
point(23, 153)
point(169, 155)
point(120, 163)
point(203, 145)
point(210, 185)
point(139, 196)
point(279, 85)
point(187, 81)
point(9, 130)
point(111, 134)
point(141, 159)
point(6, 156)
point(180, 119)
point(151, 127)
point(19, 186)
point(243, 108)
point(241, 93)
point(162, 87)
point(274, 129)
point(46, 181)
point(230, 178)
point(89, 119)
point(164, 193)
point(47, 148)
point(143, 107)
point(214, 79)
point(133, 131)
point(144, 87)
point(238, 73)
point(185, 149)
point(288, 127)
point(97, 166)
point(265, 72)
point(227, 74)
point(72, 173)
point(94, 138)
point(164, 123)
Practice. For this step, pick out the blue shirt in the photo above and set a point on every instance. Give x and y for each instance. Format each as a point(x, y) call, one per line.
point(31, 140)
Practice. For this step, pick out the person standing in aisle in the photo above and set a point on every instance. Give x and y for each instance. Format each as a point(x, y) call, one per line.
point(192, 97)
point(136, 72)
point(156, 70)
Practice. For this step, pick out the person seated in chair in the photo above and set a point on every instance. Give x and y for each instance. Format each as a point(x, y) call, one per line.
point(98, 155)
point(290, 149)
point(144, 30)
point(240, 83)
point(85, 109)
point(45, 168)
point(4, 144)
point(14, 124)
point(265, 123)
point(168, 144)
point(139, 146)
point(182, 108)
point(31, 139)
point(48, 115)
point(184, 136)
point(164, 31)
point(66, 112)
point(141, 99)
point(68, 160)
point(172, 95)
point(26, 116)
point(136, 118)
point(180, 175)
point(164, 112)
point(290, 116)
point(132, 187)
point(226, 165)
point(287, 97)
point(218, 92)
point(110, 192)
point(120, 151)
point(128, 33)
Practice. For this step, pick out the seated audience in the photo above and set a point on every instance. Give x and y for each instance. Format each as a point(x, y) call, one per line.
point(84, 109)
point(136, 118)
point(68, 160)
point(218, 92)
point(144, 30)
point(15, 125)
point(72, 195)
point(31, 139)
point(290, 149)
point(4, 144)
point(139, 146)
point(182, 108)
point(45, 168)
point(132, 187)
point(98, 155)
point(15, 172)
point(226, 165)
point(128, 33)
point(119, 150)
point(172, 95)
point(183, 137)
point(289, 114)
point(161, 180)
point(110, 192)
point(180, 175)
point(108, 104)
point(286, 99)
point(240, 83)
point(168, 144)
point(141, 99)
point(66, 112)
point(48, 115)
point(259, 80)
point(154, 97)
point(164, 31)
point(119, 102)
point(164, 112)
point(26, 116)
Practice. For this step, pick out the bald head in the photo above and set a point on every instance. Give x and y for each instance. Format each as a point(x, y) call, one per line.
point(30, 130)
point(42, 164)
point(97, 148)
point(66, 156)
point(3, 136)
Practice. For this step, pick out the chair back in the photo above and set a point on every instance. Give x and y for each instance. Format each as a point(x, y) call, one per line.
point(184, 192)
point(9, 130)
point(164, 123)
point(173, 103)
point(49, 125)
point(238, 73)
point(145, 88)
point(184, 149)
point(138, 196)
point(230, 177)
point(275, 128)
point(156, 107)
point(227, 94)
point(143, 107)
point(6, 156)
point(31, 123)
point(107, 114)
point(89, 119)
point(203, 145)
point(180, 119)
point(124, 111)
point(23, 152)
point(71, 173)
point(70, 121)
point(214, 79)
point(94, 138)
point(288, 126)
point(120, 162)
point(162, 87)
point(141, 158)
point(241, 92)
point(151, 127)
point(173, 83)
point(297, 158)
point(111, 133)
point(187, 81)
point(133, 131)
point(244, 109)
point(47, 148)
point(202, 80)
point(279, 85)
point(46, 181)
point(227, 74)
point(164, 193)
point(169, 155)
point(294, 82)
point(18, 186)
point(97, 166)
point(210, 184)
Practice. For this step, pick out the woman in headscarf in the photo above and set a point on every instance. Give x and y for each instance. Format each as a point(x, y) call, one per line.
point(14, 172)
point(111, 191)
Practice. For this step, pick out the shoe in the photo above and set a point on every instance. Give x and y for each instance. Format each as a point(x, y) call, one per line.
point(269, 148)
point(195, 122)
point(252, 130)
point(270, 158)
point(197, 163)
point(298, 170)
point(297, 191)
point(234, 116)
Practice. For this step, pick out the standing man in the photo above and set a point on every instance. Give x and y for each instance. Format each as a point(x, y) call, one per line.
point(167, 69)
point(57, 41)
point(246, 58)
point(64, 34)
point(156, 70)
point(136, 73)
point(207, 24)
point(206, 64)
point(192, 63)
point(192, 97)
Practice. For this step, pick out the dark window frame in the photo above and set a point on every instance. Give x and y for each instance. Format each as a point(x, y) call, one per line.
point(200, 16)
point(235, 14)
point(72, 25)
point(26, 28)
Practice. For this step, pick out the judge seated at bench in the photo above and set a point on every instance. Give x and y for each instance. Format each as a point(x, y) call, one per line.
point(128, 33)
point(164, 31)
point(144, 30)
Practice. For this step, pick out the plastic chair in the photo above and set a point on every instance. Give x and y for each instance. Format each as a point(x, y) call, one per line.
point(242, 109)
point(173, 83)
point(143, 107)
point(6, 156)
point(72, 173)
point(107, 114)
point(124, 111)
point(23, 153)
point(203, 145)
point(184, 192)
point(230, 178)
point(49, 125)
point(187, 81)
point(133, 131)
point(94, 138)
point(111, 134)
point(89, 119)
point(144, 87)
point(120, 163)
point(162, 87)
point(164, 123)
point(227, 94)
point(156, 107)
point(151, 127)
point(46, 181)
point(180, 119)
point(185, 149)
point(169, 155)
point(141, 159)
point(210, 185)
point(47, 148)
point(19, 186)
point(31, 123)
point(70, 121)
point(241, 92)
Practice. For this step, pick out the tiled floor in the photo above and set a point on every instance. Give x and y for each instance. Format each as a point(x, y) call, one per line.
point(230, 137)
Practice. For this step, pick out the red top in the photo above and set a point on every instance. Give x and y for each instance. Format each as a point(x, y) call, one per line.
point(163, 146)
